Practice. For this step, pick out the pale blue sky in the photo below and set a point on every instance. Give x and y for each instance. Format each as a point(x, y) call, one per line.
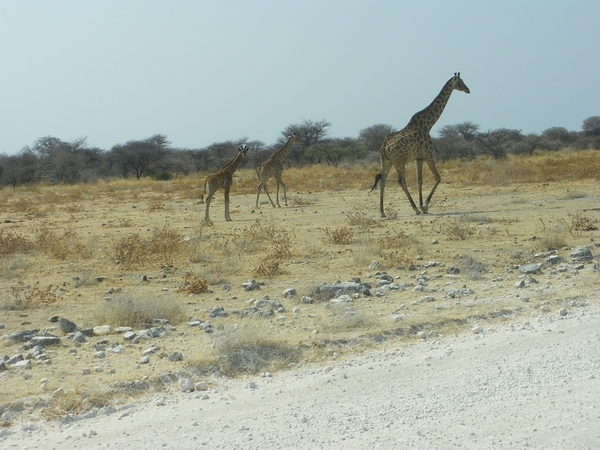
point(206, 71)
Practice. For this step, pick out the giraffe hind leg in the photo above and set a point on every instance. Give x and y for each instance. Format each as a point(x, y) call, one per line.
point(284, 193)
point(438, 179)
point(208, 199)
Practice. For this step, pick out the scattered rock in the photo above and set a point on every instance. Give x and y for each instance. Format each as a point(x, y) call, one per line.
point(530, 268)
point(219, 311)
point(175, 356)
point(582, 253)
point(554, 259)
point(66, 325)
point(201, 386)
point(562, 312)
point(186, 385)
point(289, 293)
point(374, 265)
point(42, 341)
point(477, 329)
point(102, 330)
point(250, 285)
point(22, 336)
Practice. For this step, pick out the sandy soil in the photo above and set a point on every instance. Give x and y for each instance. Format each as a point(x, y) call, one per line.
point(530, 383)
point(529, 379)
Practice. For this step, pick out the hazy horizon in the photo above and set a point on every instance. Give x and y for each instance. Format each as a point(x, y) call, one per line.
point(201, 72)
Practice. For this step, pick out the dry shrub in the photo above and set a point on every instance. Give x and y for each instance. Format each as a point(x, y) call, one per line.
point(67, 245)
point(193, 284)
point(398, 248)
point(155, 203)
point(130, 250)
point(339, 235)
point(25, 205)
point(269, 267)
point(11, 243)
point(250, 350)
point(301, 201)
point(279, 248)
point(361, 220)
point(137, 312)
point(25, 296)
point(580, 222)
point(166, 243)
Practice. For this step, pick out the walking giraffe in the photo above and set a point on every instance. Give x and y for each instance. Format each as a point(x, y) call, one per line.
point(223, 178)
point(413, 143)
point(273, 167)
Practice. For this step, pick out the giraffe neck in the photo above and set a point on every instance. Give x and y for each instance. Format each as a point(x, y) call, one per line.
point(282, 153)
point(427, 118)
point(232, 165)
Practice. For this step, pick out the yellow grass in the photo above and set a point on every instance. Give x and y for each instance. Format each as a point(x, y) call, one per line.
point(64, 248)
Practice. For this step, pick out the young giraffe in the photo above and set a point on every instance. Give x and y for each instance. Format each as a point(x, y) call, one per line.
point(273, 167)
point(222, 179)
point(413, 143)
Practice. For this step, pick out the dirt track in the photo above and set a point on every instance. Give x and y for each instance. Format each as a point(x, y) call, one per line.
point(531, 383)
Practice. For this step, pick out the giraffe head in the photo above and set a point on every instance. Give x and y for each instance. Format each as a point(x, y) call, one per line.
point(295, 139)
point(458, 83)
point(243, 149)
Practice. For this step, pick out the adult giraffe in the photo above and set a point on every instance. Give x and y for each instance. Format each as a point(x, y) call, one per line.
point(413, 143)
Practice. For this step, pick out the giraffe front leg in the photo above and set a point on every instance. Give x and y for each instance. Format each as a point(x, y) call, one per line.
point(227, 218)
point(437, 178)
point(420, 184)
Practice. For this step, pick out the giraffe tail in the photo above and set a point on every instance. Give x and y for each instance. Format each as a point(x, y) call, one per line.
point(377, 178)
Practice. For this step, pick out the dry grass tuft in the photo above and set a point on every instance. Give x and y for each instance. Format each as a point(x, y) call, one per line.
point(11, 243)
point(341, 235)
point(126, 311)
point(457, 229)
point(471, 267)
point(250, 350)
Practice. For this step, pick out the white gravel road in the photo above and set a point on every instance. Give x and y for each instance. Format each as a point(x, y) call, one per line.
point(529, 383)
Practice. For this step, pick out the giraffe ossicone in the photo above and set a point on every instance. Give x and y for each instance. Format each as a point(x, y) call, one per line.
point(414, 143)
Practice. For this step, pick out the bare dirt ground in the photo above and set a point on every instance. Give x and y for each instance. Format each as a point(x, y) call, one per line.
point(407, 371)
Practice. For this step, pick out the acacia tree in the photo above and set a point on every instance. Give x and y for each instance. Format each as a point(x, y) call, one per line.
point(374, 135)
point(591, 126)
point(139, 156)
point(494, 142)
point(457, 141)
point(309, 131)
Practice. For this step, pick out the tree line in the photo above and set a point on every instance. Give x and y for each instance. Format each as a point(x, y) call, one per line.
point(53, 160)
